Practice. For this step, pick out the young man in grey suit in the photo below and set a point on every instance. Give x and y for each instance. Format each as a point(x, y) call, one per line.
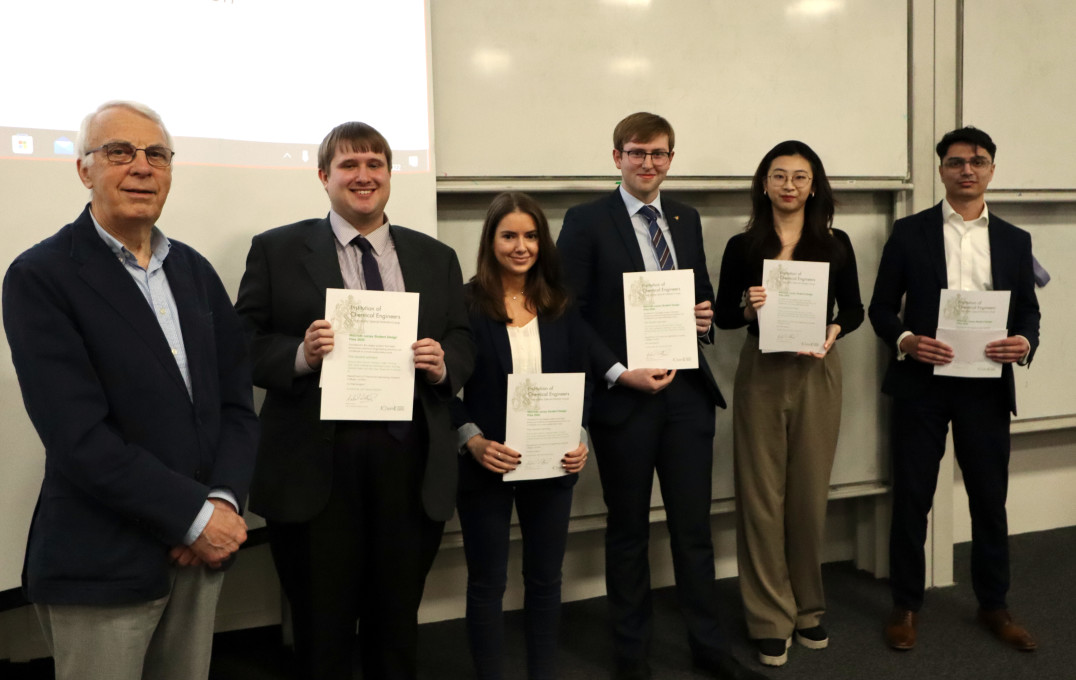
point(646, 420)
point(134, 371)
point(355, 509)
point(958, 244)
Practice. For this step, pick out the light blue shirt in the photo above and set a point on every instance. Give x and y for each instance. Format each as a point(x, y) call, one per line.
point(153, 284)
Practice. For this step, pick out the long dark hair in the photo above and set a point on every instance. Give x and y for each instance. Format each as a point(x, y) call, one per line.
point(817, 242)
point(544, 285)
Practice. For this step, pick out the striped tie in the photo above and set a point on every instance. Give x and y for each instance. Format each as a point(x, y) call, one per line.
point(657, 239)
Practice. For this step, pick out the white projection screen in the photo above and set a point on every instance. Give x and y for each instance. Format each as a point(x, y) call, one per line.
point(248, 88)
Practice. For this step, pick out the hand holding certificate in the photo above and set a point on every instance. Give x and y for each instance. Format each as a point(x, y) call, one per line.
point(545, 411)
point(370, 373)
point(967, 321)
point(794, 316)
point(659, 319)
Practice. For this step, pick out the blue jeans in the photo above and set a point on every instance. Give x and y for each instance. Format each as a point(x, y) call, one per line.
point(543, 508)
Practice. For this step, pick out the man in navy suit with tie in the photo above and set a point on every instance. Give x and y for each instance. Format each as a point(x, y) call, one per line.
point(957, 244)
point(134, 371)
point(649, 419)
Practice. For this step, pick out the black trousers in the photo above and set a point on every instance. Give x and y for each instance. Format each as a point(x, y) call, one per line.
point(544, 507)
point(365, 557)
point(979, 412)
point(672, 433)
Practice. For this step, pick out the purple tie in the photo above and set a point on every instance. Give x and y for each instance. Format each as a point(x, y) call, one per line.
point(370, 272)
point(657, 239)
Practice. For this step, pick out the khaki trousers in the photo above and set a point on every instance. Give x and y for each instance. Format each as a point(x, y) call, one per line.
point(170, 638)
point(786, 416)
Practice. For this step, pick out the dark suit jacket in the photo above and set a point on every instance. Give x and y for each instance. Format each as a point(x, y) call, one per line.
point(913, 268)
point(564, 350)
point(129, 458)
point(597, 245)
point(281, 294)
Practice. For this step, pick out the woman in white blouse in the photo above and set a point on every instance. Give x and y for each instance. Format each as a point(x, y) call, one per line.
point(523, 322)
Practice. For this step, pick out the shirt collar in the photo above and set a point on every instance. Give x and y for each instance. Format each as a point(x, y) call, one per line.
point(344, 232)
point(159, 243)
point(950, 216)
point(633, 204)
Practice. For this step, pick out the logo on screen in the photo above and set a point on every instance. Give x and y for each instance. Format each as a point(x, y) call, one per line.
point(63, 147)
point(23, 144)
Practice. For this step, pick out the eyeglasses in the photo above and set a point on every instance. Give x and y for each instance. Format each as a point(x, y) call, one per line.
point(957, 163)
point(637, 156)
point(122, 153)
point(799, 179)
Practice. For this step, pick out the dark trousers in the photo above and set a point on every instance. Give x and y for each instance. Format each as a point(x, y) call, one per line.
point(485, 516)
point(979, 412)
point(364, 557)
point(671, 432)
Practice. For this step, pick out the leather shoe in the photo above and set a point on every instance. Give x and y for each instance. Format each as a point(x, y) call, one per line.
point(631, 669)
point(900, 629)
point(1000, 623)
point(726, 667)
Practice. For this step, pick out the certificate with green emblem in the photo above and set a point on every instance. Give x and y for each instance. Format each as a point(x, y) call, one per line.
point(543, 420)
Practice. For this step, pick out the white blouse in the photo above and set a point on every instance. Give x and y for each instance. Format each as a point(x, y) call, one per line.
point(526, 346)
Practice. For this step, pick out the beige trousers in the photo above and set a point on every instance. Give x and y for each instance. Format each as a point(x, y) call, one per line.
point(170, 638)
point(786, 416)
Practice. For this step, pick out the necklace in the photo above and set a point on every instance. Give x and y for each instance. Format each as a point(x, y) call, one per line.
point(514, 296)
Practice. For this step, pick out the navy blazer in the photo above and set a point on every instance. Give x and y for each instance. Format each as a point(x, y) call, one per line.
point(281, 294)
point(597, 245)
point(129, 457)
point(913, 269)
point(565, 341)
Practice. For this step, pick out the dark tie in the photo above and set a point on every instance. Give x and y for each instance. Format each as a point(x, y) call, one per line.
point(370, 273)
point(657, 239)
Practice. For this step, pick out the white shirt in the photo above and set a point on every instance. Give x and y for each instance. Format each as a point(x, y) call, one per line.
point(967, 250)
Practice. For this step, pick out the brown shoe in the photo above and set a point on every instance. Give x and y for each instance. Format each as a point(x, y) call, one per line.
point(1000, 623)
point(900, 629)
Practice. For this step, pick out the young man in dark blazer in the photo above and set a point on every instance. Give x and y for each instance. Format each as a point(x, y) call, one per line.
point(957, 244)
point(355, 509)
point(644, 420)
point(134, 371)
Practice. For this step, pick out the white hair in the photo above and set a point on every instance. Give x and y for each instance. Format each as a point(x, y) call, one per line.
point(82, 142)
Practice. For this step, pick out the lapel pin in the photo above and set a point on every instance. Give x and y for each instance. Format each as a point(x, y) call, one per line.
point(676, 217)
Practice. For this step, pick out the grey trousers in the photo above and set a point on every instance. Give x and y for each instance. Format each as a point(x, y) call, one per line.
point(786, 416)
point(170, 638)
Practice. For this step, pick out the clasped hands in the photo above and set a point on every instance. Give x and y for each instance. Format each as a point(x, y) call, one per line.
point(222, 536)
point(497, 457)
point(318, 341)
point(935, 352)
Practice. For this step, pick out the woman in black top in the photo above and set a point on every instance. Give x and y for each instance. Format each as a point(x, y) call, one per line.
point(786, 406)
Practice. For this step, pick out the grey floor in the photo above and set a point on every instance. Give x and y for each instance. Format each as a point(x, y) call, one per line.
point(951, 645)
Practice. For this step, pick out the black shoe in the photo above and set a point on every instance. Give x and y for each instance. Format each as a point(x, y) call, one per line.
point(772, 651)
point(812, 638)
point(726, 667)
point(631, 669)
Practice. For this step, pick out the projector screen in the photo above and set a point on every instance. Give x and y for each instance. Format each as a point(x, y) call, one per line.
point(248, 88)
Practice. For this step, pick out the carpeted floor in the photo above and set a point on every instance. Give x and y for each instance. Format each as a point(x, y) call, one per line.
point(951, 645)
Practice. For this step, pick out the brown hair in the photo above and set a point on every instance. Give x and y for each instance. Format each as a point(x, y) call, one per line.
point(353, 136)
point(544, 286)
point(641, 128)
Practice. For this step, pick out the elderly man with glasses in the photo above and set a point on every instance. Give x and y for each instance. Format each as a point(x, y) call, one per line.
point(133, 369)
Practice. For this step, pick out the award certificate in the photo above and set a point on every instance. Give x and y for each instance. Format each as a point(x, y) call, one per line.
point(659, 319)
point(967, 321)
point(544, 415)
point(794, 316)
point(370, 373)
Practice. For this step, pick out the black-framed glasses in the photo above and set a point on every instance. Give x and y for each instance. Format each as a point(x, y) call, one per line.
point(780, 177)
point(122, 153)
point(958, 163)
point(637, 156)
